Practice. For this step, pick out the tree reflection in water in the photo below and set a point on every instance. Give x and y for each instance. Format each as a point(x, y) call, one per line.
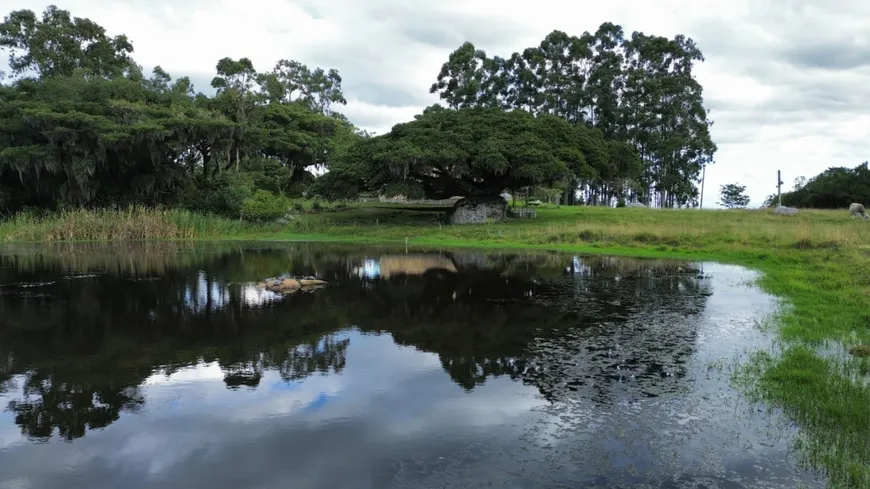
point(76, 347)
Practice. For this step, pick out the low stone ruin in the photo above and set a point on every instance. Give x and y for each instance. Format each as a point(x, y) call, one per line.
point(857, 210)
point(478, 210)
point(785, 211)
point(286, 284)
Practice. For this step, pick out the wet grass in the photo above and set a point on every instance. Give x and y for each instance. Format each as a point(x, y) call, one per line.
point(816, 261)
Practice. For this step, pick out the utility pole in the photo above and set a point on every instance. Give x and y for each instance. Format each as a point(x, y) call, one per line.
point(703, 177)
point(778, 188)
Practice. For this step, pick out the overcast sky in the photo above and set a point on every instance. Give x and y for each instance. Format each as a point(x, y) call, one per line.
point(787, 81)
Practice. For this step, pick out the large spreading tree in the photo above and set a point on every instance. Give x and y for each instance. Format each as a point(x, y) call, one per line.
point(478, 152)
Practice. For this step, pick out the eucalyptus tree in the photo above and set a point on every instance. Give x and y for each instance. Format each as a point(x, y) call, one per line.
point(640, 91)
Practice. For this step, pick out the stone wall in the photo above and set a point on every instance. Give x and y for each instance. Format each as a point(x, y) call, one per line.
point(401, 199)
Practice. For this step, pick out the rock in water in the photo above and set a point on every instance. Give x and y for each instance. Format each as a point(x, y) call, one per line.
point(290, 283)
point(306, 282)
point(478, 210)
point(785, 211)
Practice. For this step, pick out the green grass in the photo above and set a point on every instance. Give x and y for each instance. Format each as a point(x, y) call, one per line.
point(816, 261)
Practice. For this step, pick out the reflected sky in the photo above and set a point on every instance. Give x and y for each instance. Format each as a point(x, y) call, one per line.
point(381, 382)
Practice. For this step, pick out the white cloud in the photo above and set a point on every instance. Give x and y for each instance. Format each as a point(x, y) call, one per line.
point(786, 80)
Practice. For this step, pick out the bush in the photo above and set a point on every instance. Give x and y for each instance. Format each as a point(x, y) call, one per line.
point(409, 190)
point(316, 206)
point(222, 195)
point(264, 206)
point(335, 185)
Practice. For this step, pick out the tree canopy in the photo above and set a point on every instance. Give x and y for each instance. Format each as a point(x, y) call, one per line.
point(834, 188)
point(82, 125)
point(733, 196)
point(610, 116)
point(639, 91)
point(480, 152)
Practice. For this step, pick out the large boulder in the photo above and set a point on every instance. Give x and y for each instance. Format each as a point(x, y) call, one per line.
point(478, 210)
point(785, 211)
point(857, 210)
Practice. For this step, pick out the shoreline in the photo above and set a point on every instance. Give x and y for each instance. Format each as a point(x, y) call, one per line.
point(815, 266)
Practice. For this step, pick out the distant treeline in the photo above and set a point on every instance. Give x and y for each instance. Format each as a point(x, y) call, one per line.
point(835, 188)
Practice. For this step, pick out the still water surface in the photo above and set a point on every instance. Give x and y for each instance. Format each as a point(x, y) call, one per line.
point(163, 365)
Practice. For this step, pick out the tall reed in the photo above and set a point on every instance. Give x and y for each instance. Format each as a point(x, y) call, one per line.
point(131, 223)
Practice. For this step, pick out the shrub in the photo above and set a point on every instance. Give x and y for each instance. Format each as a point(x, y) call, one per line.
point(222, 195)
point(264, 206)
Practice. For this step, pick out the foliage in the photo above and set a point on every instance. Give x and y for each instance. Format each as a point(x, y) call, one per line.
point(835, 188)
point(81, 125)
point(733, 195)
point(61, 45)
point(264, 206)
point(638, 90)
point(221, 195)
point(475, 152)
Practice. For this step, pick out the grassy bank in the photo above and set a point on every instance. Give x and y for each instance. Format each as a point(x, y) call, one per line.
point(816, 261)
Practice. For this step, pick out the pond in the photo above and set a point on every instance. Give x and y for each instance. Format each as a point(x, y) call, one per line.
point(167, 365)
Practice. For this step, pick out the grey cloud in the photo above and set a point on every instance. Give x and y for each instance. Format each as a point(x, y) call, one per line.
point(829, 56)
point(816, 78)
point(433, 35)
point(371, 76)
point(450, 31)
point(365, 79)
point(383, 93)
point(378, 123)
point(387, 40)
